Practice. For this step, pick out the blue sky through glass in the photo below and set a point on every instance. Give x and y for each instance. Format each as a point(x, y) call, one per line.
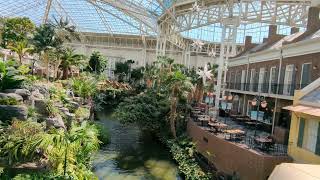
point(105, 18)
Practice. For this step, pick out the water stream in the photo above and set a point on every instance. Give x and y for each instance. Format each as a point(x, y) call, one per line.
point(132, 155)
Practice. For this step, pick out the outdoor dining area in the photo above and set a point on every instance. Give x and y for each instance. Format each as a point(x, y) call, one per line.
point(238, 129)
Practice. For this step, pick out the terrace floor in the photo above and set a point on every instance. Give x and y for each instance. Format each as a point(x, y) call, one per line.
point(248, 139)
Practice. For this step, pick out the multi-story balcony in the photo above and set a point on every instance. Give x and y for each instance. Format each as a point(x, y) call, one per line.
point(268, 88)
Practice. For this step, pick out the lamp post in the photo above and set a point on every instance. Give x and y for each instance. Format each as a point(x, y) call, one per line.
point(258, 101)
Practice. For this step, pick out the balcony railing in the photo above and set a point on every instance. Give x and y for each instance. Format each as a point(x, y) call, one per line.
point(271, 88)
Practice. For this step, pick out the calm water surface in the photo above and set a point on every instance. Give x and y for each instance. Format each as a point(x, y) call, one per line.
point(132, 156)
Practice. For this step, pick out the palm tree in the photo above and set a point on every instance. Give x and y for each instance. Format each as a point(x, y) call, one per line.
point(64, 30)
point(179, 86)
point(68, 59)
point(21, 48)
point(44, 41)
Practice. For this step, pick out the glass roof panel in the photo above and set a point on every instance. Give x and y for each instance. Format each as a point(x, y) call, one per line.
point(89, 16)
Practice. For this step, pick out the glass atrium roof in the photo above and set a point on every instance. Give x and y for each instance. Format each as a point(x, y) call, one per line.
point(131, 17)
point(91, 15)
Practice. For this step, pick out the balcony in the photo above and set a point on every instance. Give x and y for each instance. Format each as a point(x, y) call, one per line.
point(268, 88)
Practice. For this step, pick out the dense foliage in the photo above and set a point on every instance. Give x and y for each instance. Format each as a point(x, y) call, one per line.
point(97, 63)
point(10, 76)
point(183, 151)
point(70, 58)
point(64, 153)
point(16, 30)
point(148, 111)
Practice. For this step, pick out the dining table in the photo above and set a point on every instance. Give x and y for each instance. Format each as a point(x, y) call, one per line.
point(203, 119)
point(235, 133)
point(218, 126)
point(263, 143)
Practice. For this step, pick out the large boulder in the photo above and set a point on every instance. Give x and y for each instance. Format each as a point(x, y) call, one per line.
point(25, 93)
point(36, 94)
point(56, 122)
point(41, 106)
point(9, 112)
point(42, 89)
point(17, 97)
point(73, 106)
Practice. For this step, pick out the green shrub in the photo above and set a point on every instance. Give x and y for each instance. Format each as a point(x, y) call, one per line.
point(27, 141)
point(183, 151)
point(52, 111)
point(10, 77)
point(8, 101)
point(84, 87)
point(104, 135)
point(82, 112)
point(32, 112)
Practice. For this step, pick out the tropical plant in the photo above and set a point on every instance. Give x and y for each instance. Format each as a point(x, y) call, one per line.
point(64, 30)
point(68, 59)
point(8, 101)
point(16, 30)
point(66, 154)
point(21, 48)
point(97, 63)
point(179, 86)
point(183, 151)
point(84, 87)
point(148, 111)
point(45, 40)
point(10, 77)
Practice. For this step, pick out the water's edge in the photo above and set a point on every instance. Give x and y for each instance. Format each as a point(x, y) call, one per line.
point(132, 155)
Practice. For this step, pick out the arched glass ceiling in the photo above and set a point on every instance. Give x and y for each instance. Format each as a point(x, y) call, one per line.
point(133, 17)
point(91, 15)
point(213, 33)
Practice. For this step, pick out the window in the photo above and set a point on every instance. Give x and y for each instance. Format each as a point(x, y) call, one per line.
point(236, 80)
point(308, 135)
point(305, 75)
point(287, 84)
point(243, 79)
point(252, 78)
point(232, 80)
point(273, 80)
point(261, 79)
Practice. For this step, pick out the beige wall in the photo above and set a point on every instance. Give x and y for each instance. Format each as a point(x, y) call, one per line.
point(138, 56)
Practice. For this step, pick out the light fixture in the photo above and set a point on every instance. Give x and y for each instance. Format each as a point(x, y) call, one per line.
point(315, 67)
point(254, 102)
point(212, 53)
point(205, 74)
point(224, 97)
point(197, 44)
point(264, 104)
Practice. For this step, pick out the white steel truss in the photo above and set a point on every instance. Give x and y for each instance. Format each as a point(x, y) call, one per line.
point(279, 12)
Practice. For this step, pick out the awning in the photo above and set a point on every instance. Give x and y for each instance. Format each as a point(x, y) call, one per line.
point(291, 171)
point(313, 111)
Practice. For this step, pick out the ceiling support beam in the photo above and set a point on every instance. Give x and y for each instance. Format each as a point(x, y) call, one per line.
point(47, 11)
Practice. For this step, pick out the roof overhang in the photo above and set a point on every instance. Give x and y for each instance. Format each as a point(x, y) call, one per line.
point(309, 110)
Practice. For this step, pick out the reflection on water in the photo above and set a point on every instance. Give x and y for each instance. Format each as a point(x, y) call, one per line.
point(132, 156)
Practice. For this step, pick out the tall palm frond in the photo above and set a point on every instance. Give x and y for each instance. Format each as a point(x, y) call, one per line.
point(65, 30)
point(21, 48)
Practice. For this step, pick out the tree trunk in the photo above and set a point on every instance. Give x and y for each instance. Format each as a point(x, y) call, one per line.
point(20, 59)
point(65, 73)
point(46, 59)
point(173, 114)
point(56, 69)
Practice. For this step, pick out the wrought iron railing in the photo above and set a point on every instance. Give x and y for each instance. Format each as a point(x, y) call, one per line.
point(271, 88)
